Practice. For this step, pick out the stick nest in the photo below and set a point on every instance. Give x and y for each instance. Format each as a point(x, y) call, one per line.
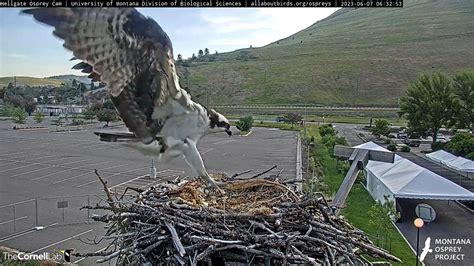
point(256, 220)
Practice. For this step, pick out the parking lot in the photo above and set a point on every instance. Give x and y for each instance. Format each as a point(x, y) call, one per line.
point(45, 177)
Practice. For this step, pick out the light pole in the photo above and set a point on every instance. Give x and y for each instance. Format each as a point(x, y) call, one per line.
point(418, 224)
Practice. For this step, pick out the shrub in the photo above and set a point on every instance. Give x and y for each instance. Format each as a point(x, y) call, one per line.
point(245, 123)
point(76, 120)
point(19, 115)
point(381, 128)
point(392, 147)
point(388, 141)
point(38, 117)
point(461, 144)
point(405, 149)
point(327, 130)
point(437, 146)
point(470, 156)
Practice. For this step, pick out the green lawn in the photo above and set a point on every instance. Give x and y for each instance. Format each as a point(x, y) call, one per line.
point(358, 202)
point(330, 119)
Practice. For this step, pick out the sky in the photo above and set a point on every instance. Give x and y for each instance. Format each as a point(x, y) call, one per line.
point(28, 48)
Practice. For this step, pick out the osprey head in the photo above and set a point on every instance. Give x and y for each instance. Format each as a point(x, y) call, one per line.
point(218, 120)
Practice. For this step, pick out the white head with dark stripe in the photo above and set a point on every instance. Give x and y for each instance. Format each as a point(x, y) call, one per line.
point(218, 120)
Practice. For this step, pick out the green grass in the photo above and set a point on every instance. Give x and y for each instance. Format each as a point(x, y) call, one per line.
point(359, 201)
point(329, 119)
point(361, 56)
point(30, 81)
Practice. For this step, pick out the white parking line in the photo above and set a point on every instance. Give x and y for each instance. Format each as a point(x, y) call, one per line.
point(10, 221)
point(211, 149)
point(223, 141)
point(27, 164)
point(11, 154)
point(91, 182)
point(88, 173)
point(70, 169)
point(64, 240)
point(59, 165)
point(29, 231)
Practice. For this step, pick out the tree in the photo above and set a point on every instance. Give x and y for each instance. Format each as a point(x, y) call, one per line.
point(30, 105)
point(332, 140)
point(180, 58)
point(106, 115)
point(15, 100)
point(462, 144)
point(89, 114)
point(18, 115)
point(463, 96)
point(193, 57)
point(57, 122)
point(326, 129)
point(245, 123)
point(38, 117)
point(428, 105)
point(292, 118)
point(380, 128)
point(200, 53)
point(76, 120)
point(381, 215)
point(206, 52)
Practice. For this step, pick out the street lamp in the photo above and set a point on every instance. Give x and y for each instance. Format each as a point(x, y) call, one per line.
point(418, 224)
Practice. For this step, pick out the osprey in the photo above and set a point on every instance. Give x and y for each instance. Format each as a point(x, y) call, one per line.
point(133, 56)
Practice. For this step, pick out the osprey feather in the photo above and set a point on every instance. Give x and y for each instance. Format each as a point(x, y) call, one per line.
point(133, 56)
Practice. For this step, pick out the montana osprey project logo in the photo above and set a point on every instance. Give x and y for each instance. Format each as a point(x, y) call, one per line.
point(426, 249)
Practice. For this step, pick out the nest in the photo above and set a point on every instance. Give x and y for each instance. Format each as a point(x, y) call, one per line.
point(256, 221)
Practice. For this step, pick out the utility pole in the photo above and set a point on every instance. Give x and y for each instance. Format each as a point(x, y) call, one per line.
point(207, 97)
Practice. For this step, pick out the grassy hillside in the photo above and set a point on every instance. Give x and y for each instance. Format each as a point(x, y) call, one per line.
point(354, 57)
point(21, 81)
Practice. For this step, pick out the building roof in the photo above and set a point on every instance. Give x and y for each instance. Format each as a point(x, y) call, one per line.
point(406, 179)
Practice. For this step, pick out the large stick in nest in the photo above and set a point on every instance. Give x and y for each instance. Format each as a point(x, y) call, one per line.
point(257, 220)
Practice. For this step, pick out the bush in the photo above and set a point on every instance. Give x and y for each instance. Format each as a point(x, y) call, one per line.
point(38, 117)
point(331, 140)
point(437, 146)
point(462, 144)
point(381, 128)
point(57, 122)
point(326, 130)
point(470, 156)
point(107, 115)
point(18, 115)
point(76, 120)
point(392, 147)
point(388, 141)
point(405, 149)
point(245, 123)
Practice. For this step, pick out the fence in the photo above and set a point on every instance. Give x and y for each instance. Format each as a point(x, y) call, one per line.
point(43, 212)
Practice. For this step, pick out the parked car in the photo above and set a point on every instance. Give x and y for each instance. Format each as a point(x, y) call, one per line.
point(402, 135)
point(441, 138)
point(413, 141)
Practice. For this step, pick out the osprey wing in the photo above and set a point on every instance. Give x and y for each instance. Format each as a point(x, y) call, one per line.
point(128, 52)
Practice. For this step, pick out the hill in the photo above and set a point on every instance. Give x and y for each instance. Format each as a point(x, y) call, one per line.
point(365, 56)
point(70, 78)
point(30, 81)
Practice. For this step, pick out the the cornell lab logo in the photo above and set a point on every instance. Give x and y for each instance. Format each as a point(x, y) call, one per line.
point(446, 249)
point(67, 254)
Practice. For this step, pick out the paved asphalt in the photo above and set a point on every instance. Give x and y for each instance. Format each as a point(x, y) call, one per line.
point(39, 168)
point(452, 221)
